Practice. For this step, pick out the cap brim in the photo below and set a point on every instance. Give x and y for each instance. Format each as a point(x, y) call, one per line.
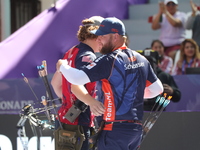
point(98, 32)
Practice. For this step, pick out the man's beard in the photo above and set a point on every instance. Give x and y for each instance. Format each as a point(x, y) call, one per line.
point(108, 48)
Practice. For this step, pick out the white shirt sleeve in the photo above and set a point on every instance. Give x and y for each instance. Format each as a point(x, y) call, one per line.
point(153, 90)
point(73, 75)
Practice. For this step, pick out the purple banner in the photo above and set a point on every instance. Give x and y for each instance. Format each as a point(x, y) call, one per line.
point(50, 34)
point(189, 86)
point(15, 94)
point(137, 1)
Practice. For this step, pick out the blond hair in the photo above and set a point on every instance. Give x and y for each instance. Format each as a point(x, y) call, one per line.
point(84, 30)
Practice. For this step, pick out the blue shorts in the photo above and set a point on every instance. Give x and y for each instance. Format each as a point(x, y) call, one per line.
point(124, 136)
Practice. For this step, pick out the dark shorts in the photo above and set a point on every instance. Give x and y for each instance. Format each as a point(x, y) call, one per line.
point(126, 136)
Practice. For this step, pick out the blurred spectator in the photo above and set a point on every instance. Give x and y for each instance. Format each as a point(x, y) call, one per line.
point(193, 22)
point(170, 86)
point(171, 22)
point(189, 57)
point(165, 63)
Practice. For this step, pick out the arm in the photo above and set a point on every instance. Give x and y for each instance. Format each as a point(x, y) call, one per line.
point(173, 21)
point(153, 90)
point(96, 107)
point(194, 8)
point(79, 78)
point(191, 18)
point(173, 91)
point(171, 88)
point(56, 83)
point(156, 20)
point(73, 75)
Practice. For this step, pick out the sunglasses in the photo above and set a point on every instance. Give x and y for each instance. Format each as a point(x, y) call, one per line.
point(171, 4)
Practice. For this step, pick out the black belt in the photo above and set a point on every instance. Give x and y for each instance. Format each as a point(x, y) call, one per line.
point(124, 121)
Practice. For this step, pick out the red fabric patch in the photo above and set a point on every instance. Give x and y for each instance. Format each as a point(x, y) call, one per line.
point(150, 19)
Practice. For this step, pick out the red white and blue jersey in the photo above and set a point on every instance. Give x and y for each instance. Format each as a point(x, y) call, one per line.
point(78, 57)
point(122, 77)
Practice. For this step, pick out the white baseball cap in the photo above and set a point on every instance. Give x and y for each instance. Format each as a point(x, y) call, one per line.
point(174, 1)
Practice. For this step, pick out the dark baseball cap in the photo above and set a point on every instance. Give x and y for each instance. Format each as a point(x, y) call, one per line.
point(110, 25)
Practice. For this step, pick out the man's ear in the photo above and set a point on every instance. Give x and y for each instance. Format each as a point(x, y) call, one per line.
point(116, 37)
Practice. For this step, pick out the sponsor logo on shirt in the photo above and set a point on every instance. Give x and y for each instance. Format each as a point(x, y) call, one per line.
point(109, 106)
point(132, 59)
point(133, 66)
point(90, 66)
